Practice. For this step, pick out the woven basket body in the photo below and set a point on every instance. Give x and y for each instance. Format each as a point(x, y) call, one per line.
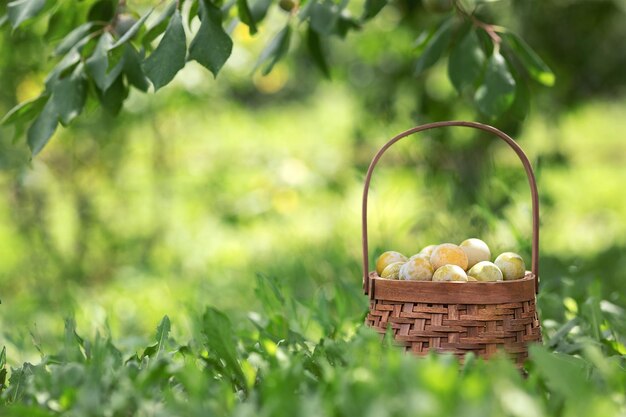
point(457, 317)
point(485, 318)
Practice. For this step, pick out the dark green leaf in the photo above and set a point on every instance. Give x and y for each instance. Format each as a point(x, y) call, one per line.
point(466, 63)
point(275, 50)
point(25, 111)
point(19, 11)
point(564, 374)
point(169, 57)
point(159, 25)
point(372, 8)
point(162, 333)
point(102, 11)
point(3, 20)
point(212, 46)
point(69, 96)
point(497, 92)
point(344, 25)
point(113, 98)
point(259, 8)
point(73, 37)
point(132, 31)
point(132, 68)
point(435, 46)
point(535, 66)
point(18, 381)
point(219, 338)
point(314, 43)
point(98, 63)
point(42, 128)
point(521, 104)
point(245, 15)
point(324, 16)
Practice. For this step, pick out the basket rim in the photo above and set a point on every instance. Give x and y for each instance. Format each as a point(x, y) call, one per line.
point(433, 292)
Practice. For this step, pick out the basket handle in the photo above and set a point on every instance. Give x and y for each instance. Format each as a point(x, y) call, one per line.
point(490, 129)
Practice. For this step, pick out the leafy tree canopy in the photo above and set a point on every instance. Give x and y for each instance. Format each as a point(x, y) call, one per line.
point(101, 49)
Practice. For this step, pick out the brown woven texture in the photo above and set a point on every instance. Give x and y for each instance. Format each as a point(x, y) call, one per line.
point(459, 328)
point(479, 317)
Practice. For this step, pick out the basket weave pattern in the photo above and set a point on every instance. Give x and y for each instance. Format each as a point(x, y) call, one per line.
point(459, 328)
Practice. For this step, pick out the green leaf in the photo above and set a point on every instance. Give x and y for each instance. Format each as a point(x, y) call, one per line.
point(71, 59)
point(162, 333)
point(219, 338)
point(3, 20)
point(324, 16)
point(466, 62)
point(73, 37)
point(372, 8)
point(3, 371)
point(314, 44)
point(245, 15)
point(275, 50)
point(102, 10)
point(25, 111)
point(259, 9)
point(435, 46)
point(211, 46)
point(535, 66)
point(344, 25)
point(128, 35)
point(113, 98)
point(497, 92)
point(18, 381)
point(19, 11)
point(169, 57)
point(132, 68)
point(42, 128)
point(159, 24)
point(69, 96)
point(564, 374)
point(98, 63)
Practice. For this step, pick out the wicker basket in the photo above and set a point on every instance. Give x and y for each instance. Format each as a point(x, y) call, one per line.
point(479, 317)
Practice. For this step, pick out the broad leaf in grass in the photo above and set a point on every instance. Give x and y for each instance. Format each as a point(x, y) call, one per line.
point(435, 46)
point(162, 333)
point(563, 374)
point(211, 46)
point(219, 339)
point(169, 57)
point(496, 94)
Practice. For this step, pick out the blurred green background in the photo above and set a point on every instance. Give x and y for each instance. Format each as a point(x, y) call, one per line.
point(183, 199)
